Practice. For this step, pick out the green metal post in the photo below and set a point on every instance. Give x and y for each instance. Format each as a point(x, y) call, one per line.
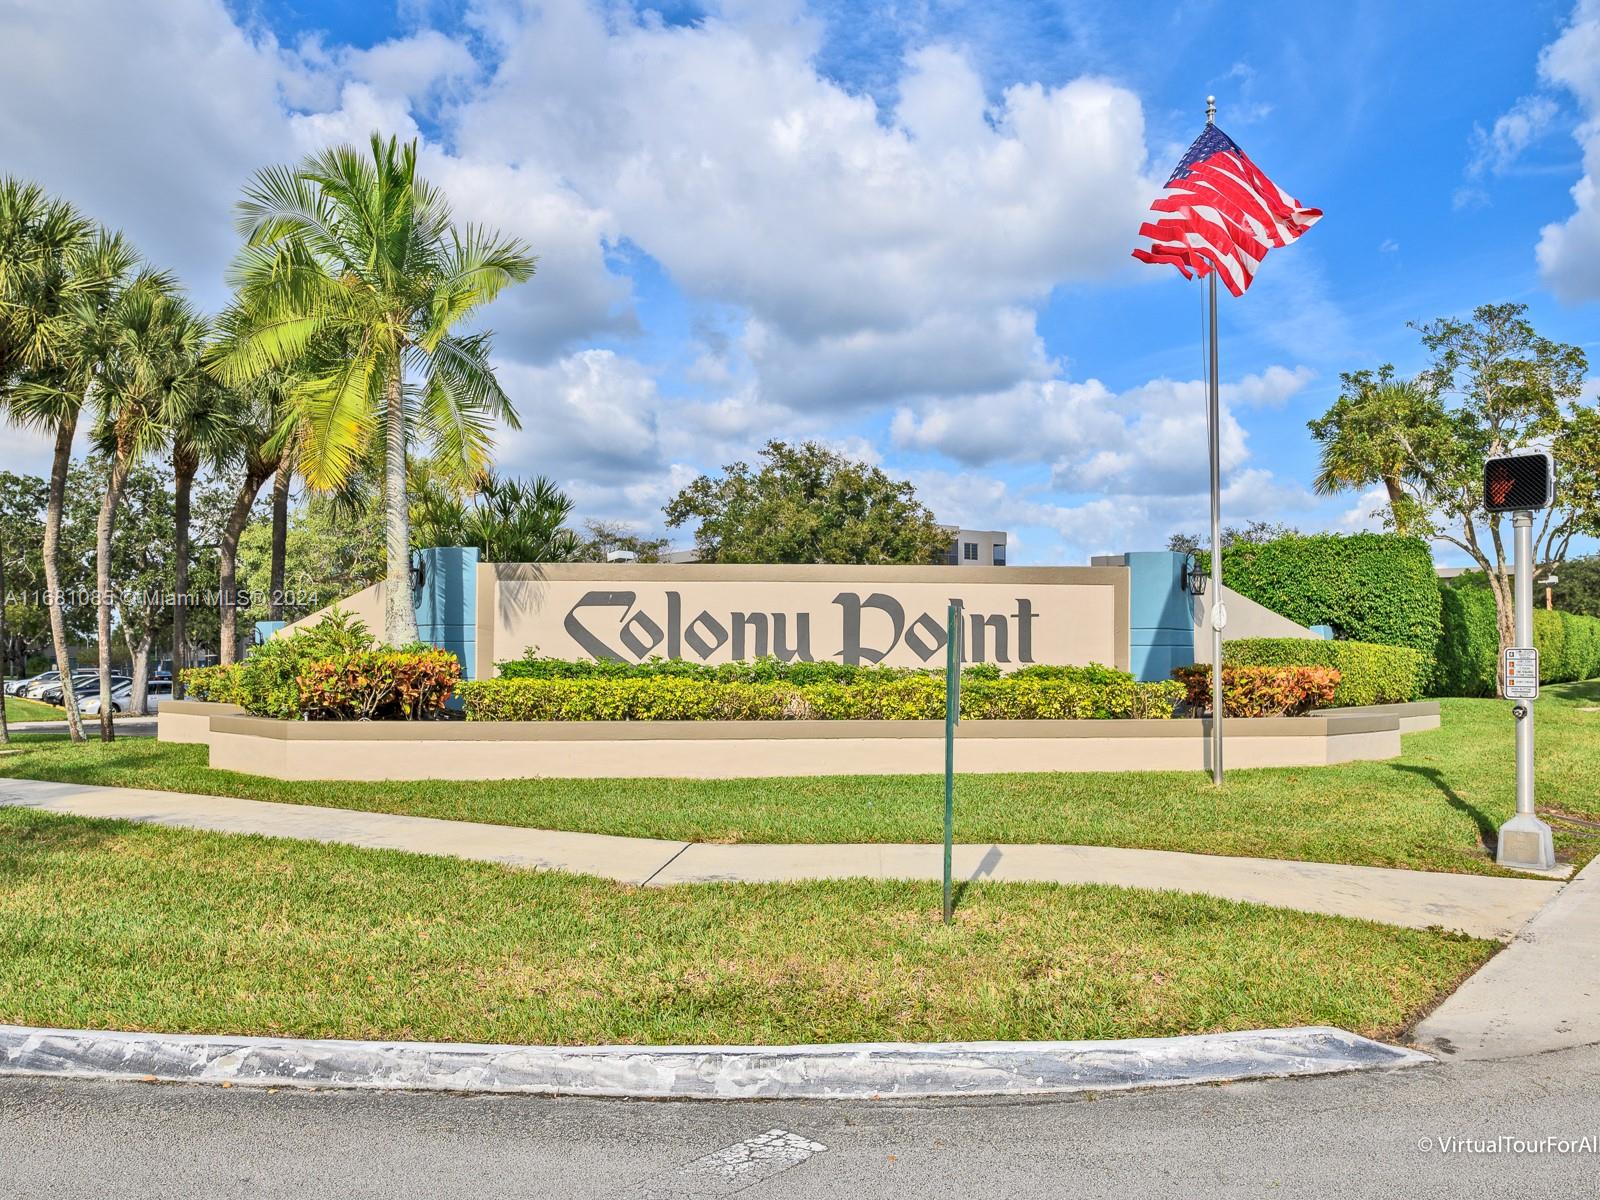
point(952, 714)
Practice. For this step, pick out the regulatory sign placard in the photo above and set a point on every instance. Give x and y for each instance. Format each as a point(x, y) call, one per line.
point(1522, 673)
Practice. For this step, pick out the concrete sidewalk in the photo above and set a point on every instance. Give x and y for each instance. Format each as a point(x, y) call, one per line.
point(1542, 992)
point(1483, 906)
point(125, 726)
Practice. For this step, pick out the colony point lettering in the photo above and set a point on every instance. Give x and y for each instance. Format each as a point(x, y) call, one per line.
point(873, 627)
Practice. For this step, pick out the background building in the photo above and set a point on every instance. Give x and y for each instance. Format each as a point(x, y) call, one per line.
point(975, 547)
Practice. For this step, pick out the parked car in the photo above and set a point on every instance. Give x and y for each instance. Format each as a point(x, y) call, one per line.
point(84, 683)
point(122, 697)
point(40, 684)
point(16, 687)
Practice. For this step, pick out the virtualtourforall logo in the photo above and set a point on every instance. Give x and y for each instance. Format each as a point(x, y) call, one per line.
point(873, 627)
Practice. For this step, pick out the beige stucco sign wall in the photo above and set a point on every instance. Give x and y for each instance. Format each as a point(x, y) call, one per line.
point(889, 615)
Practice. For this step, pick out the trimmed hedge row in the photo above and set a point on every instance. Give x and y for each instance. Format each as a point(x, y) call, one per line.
point(1368, 673)
point(1371, 587)
point(1468, 662)
point(909, 697)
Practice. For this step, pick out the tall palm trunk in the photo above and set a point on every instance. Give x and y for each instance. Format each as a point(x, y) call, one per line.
point(185, 465)
point(256, 474)
point(104, 526)
point(280, 535)
point(399, 618)
point(52, 575)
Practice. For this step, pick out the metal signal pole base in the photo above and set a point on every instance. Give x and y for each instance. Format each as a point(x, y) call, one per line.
point(1526, 844)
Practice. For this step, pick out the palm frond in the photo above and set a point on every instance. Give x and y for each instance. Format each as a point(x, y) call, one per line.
point(337, 412)
point(477, 267)
point(464, 362)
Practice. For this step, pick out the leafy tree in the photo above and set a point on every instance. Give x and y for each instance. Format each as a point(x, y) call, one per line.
point(140, 561)
point(262, 420)
point(1578, 589)
point(1256, 533)
point(602, 539)
point(203, 436)
point(22, 501)
point(807, 504)
point(1494, 385)
point(355, 253)
point(508, 520)
point(332, 549)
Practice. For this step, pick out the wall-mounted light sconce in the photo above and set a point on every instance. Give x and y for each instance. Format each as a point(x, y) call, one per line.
point(1194, 577)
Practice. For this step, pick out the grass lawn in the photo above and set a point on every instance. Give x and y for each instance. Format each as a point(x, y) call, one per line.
point(1435, 808)
point(18, 709)
point(108, 924)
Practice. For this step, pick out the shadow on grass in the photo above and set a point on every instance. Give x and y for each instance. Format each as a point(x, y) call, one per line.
point(1587, 691)
point(35, 842)
point(1488, 831)
point(984, 870)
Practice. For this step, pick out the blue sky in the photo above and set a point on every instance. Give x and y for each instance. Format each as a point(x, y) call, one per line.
point(902, 228)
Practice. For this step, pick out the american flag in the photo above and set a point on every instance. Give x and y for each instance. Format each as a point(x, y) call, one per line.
point(1219, 211)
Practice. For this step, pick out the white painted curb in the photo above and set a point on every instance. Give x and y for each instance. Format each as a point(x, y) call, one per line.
point(844, 1071)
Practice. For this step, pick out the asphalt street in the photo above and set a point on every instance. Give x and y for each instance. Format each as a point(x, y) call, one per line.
point(1375, 1134)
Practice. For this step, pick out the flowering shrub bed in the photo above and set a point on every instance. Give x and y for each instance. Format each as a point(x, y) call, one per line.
point(378, 685)
point(1260, 691)
point(332, 670)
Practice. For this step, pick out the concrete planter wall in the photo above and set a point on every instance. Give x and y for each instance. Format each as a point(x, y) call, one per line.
point(190, 720)
point(751, 749)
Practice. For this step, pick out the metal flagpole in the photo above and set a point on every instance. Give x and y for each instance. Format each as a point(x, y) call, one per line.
point(1214, 429)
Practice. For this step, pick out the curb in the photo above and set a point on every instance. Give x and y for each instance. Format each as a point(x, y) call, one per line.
point(865, 1070)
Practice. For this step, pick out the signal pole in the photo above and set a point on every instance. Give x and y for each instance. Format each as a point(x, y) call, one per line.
point(1525, 840)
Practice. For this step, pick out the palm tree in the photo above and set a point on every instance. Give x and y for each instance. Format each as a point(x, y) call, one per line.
point(148, 372)
point(202, 436)
point(352, 262)
point(508, 520)
point(58, 275)
point(1372, 435)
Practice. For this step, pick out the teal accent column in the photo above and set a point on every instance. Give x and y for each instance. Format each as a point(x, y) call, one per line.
point(265, 629)
point(1160, 616)
point(447, 602)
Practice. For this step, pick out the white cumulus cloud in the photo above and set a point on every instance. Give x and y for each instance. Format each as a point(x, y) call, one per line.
point(1569, 250)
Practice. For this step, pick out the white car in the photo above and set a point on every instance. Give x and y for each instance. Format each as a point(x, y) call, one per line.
point(122, 696)
point(16, 687)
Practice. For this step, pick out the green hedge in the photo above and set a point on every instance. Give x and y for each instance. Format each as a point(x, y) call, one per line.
point(1466, 663)
point(908, 697)
point(1368, 673)
point(1569, 646)
point(1468, 659)
point(1371, 587)
point(760, 670)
